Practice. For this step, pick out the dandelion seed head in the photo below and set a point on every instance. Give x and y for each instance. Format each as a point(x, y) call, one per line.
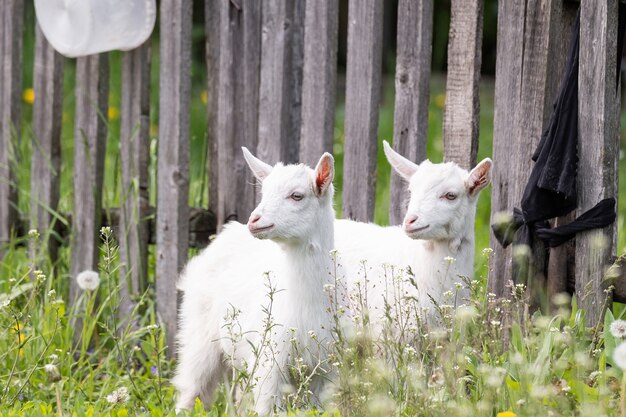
point(119, 396)
point(52, 372)
point(619, 356)
point(618, 328)
point(88, 280)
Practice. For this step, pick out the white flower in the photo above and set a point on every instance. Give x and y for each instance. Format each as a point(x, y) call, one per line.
point(119, 396)
point(88, 280)
point(619, 356)
point(449, 259)
point(618, 328)
point(4, 303)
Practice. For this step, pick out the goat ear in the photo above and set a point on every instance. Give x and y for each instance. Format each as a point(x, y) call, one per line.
point(324, 173)
point(259, 168)
point(399, 163)
point(479, 177)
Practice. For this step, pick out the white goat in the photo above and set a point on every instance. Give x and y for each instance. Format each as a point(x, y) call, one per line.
point(436, 239)
point(295, 220)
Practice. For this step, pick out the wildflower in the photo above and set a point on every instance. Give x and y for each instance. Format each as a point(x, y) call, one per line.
point(119, 396)
point(619, 356)
point(618, 328)
point(562, 385)
point(88, 280)
point(113, 113)
point(33, 234)
point(466, 313)
point(105, 231)
point(29, 96)
point(53, 373)
point(487, 251)
point(4, 303)
point(449, 259)
point(506, 414)
point(52, 293)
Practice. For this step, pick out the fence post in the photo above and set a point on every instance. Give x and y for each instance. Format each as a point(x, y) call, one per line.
point(319, 79)
point(46, 149)
point(281, 78)
point(521, 108)
point(598, 146)
point(238, 100)
point(135, 154)
point(462, 111)
point(11, 28)
point(90, 130)
point(363, 78)
point(414, 55)
point(173, 169)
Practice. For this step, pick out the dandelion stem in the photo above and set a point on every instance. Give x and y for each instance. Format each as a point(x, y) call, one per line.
point(59, 409)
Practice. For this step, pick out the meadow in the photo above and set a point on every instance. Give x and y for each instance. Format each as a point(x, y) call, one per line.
point(489, 357)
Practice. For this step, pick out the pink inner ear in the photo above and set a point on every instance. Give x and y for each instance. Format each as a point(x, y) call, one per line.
point(478, 179)
point(322, 175)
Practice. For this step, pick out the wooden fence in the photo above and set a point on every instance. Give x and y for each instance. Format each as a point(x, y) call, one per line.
point(271, 87)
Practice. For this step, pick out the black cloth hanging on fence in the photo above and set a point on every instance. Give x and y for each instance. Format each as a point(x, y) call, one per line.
point(551, 188)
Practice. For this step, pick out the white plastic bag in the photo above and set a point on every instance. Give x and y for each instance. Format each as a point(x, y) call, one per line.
point(84, 27)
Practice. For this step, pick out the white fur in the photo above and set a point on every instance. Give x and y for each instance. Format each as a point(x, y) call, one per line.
point(437, 256)
point(229, 274)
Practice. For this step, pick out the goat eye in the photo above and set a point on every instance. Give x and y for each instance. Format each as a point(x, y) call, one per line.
point(296, 196)
point(450, 196)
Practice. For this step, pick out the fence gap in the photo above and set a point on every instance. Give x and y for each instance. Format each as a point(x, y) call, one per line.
point(598, 147)
point(135, 155)
point(363, 85)
point(212, 60)
point(413, 60)
point(238, 100)
point(319, 80)
point(173, 162)
point(11, 35)
point(462, 110)
point(90, 131)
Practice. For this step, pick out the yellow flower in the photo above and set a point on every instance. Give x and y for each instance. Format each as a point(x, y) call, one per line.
point(506, 414)
point(114, 113)
point(204, 96)
point(440, 101)
point(29, 96)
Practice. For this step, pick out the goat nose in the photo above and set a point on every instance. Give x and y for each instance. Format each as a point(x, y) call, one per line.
point(254, 218)
point(411, 219)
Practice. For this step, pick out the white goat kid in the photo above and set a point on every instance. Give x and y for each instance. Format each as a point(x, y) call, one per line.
point(436, 239)
point(295, 218)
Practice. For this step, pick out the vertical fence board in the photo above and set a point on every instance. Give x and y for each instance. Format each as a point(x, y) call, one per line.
point(46, 149)
point(363, 78)
point(414, 55)
point(279, 95)
point(238, 99)
point(462, 111)
point(90, 129)
point(598, 147)
point(173, 169)
point(135, 154)
point(521, 105)
point(11, 28)
point(212, 45)
point(319, 79)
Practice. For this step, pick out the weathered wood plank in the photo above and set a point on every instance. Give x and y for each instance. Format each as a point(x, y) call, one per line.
point(11, 29)
point(135, 155)
point(238, 100)
point(46, 148)
point(319, 79)
point(462, 111)
point(363, 79)
point(212, 57)
point(413, 60)
point(521, 109)
point(90, 130)
point(173, 150)
point(598, 146)
point(279, 88)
